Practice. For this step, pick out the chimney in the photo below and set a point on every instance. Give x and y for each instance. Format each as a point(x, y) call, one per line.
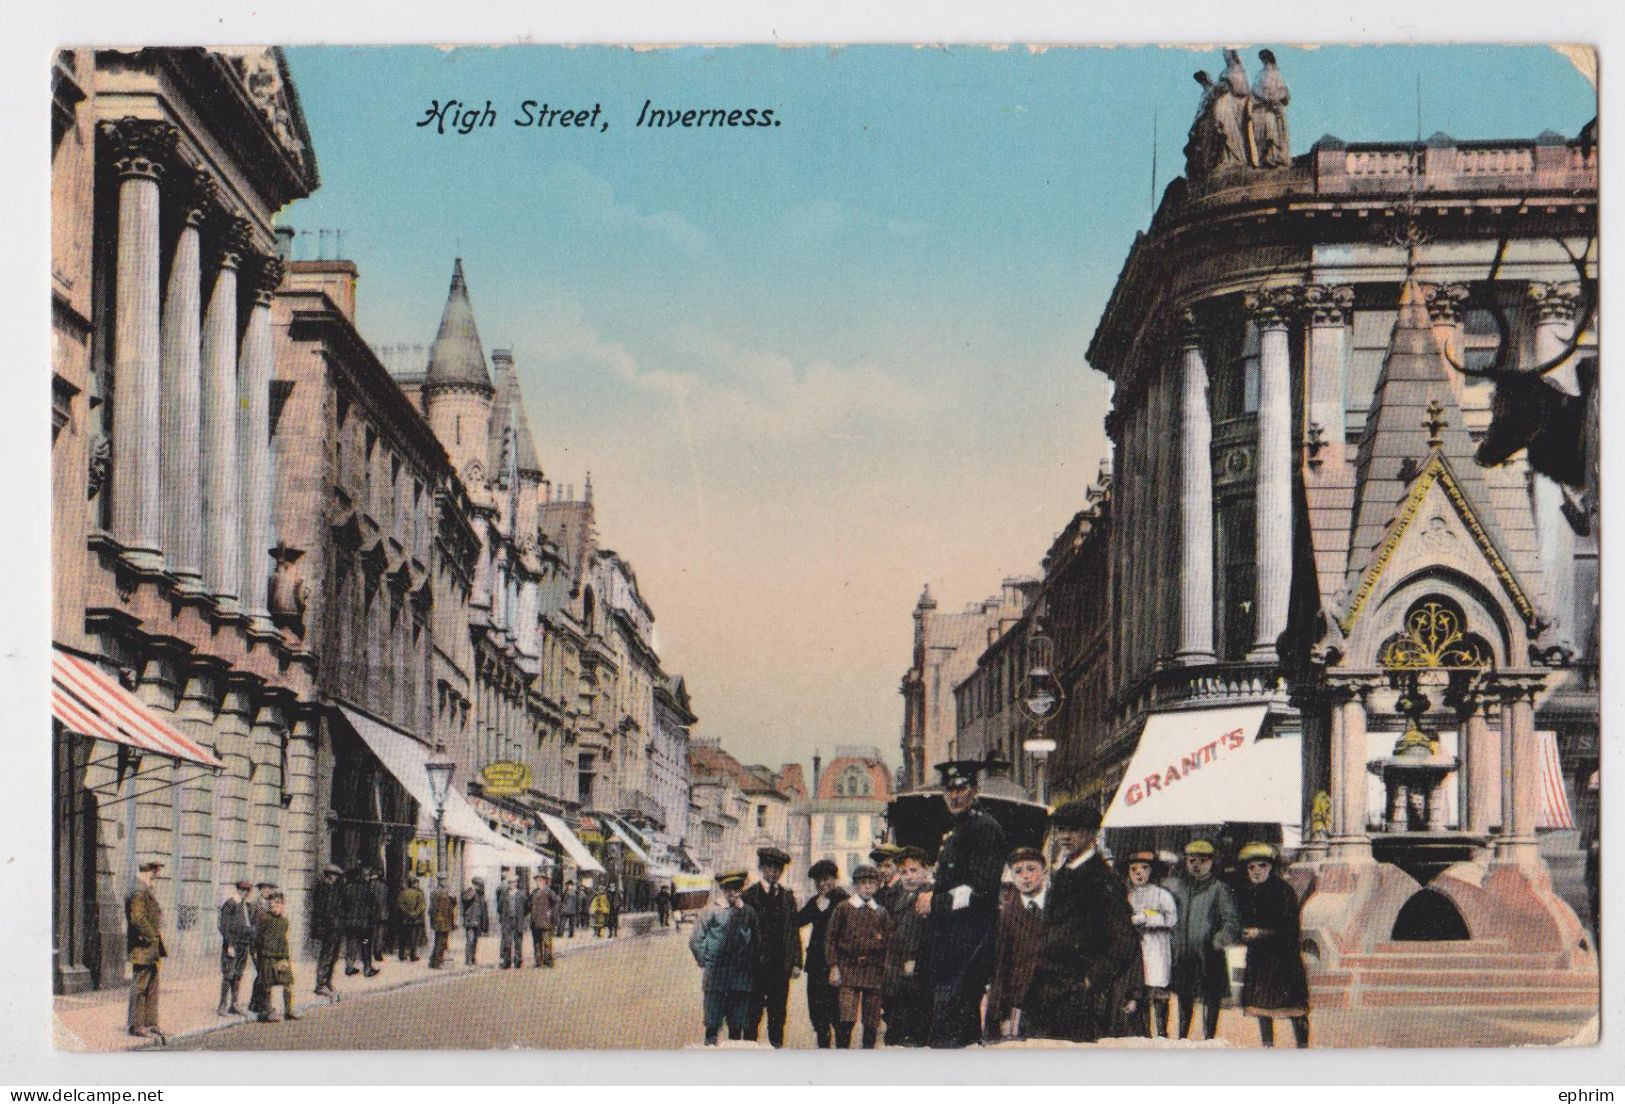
point(334, 279)
point(816, 763)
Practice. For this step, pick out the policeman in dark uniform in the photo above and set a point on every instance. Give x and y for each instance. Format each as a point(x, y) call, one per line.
point(964, 908)
point(778, 946)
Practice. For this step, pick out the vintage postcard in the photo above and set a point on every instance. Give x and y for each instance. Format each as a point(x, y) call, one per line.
point(868, 547)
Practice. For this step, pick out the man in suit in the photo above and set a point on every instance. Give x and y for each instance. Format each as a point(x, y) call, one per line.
point(327, 925)
point(544, 904)
point(443, 919)
point(236, 941)
point(778, 947)
point(1021, 934)
point(259, 907)
point(964, 908)
point(513, 915)
point(1089, 942)
point(380, 913)
point(144, 939)
point(476, 920)
point(359, 912)
point(823, 999)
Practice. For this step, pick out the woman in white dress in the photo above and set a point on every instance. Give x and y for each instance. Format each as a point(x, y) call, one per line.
point(1154, 913)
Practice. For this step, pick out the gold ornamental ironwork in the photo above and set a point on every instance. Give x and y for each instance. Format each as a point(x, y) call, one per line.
point(1434, 637)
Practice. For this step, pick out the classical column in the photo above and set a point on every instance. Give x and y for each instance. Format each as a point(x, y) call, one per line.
point(1446, 303)
point(222, 489)
point(300, 842)
point(1195, 499)
point(235, 749)
point(1481, 756)
point(1348, 777)
point(255, 367)
point(1328, 309)
point(265, 790)
point(1268, 310)
point(156, 831)
point(195, 717)
point(182, 388)
point(1520, 777)
point(141, 149)
point(1553, 308)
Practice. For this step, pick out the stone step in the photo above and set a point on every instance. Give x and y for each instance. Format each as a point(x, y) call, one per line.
point(1434, 977)
point(1503, 997)
point(1435, 947)
point(1462, 963)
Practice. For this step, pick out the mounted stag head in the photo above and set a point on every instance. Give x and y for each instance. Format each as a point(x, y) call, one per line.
point(1528, 411)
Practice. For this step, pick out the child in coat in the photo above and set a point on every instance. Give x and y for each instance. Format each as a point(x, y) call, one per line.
point(273, 965)
point(859, 932)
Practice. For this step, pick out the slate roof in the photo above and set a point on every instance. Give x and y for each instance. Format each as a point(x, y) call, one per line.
point(458, 358)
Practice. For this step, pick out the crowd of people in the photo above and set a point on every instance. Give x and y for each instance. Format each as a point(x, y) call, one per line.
point(352, 916)
point(991, 944)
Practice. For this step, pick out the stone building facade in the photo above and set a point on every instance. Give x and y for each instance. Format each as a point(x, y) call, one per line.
point(845, 814)
point(1280, 343)
point(168, 166)
point(946, 647)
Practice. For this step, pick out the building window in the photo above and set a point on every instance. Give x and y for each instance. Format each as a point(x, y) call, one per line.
point(761, 816)
point(851, 827)
point(1237, 577)
point(828, 832)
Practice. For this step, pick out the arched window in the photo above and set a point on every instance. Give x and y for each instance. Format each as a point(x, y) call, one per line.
point(1435, 636)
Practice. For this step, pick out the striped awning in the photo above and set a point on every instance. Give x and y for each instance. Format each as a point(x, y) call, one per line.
point(90, 702)
point(1554, 798)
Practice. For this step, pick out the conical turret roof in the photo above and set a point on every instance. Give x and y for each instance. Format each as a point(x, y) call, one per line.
point(458, 358)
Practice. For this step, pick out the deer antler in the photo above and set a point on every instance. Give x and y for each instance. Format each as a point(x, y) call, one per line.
point(1503, 346)
point(1497, 369)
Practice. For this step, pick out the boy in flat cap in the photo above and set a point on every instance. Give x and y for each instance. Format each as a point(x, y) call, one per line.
point(236, 938)
point(1208, 922)
point(905, 994)
point(1089, 945)
point(964, 908)
point(856, 942)
point(1021, 934)
point(724, 946)
point(144, 939)
point(823, 999)
point(778, 949)
point(273, 965)
point(883, 857)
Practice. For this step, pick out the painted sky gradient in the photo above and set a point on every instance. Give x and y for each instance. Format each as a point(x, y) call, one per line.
point(815, 366)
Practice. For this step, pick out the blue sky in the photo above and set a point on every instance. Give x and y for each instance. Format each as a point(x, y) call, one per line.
point(815, 366)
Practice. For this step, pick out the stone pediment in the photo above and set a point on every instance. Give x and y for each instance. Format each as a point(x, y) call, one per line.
point(1436, 526)
point(264, 77)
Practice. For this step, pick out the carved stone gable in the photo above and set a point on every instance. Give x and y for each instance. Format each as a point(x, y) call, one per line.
point(260, 70)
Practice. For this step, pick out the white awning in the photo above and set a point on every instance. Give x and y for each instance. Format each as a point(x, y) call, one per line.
point(405, 758)
point(572, 846)
point(486, 855)
point(627, 837)
point(1208, 766)
point(1554, 796)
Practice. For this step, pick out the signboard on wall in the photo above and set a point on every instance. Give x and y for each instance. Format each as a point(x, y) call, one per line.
point(505, 778)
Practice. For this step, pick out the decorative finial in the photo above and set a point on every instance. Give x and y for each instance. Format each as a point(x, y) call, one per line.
point(1434, 423)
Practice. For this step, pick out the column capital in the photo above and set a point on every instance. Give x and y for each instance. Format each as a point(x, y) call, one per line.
point(198, 195)
point(141, 147)
point(1515, 686)
point(1553, 302)
point(1326, 304)
point(1445, 302)
point(1342, 688)
point(265, 272)
point(1190, 326)
point(1270, 308)
point(236, 238)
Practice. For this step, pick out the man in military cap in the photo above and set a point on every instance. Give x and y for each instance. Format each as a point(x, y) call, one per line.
point(778, 948)
point(724, 946)
point(823, 999)
point(1089, 943)
point(236, 941)
point(327, 925)
point(144, 939)
point(883, 857)
point(1208, 921)
point(964, 908)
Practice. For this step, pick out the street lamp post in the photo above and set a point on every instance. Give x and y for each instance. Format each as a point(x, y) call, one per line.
point(440, 769)
point(1041, 698)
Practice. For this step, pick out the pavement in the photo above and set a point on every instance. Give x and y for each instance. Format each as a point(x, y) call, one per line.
point(97, 1021)
point(644, 993)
